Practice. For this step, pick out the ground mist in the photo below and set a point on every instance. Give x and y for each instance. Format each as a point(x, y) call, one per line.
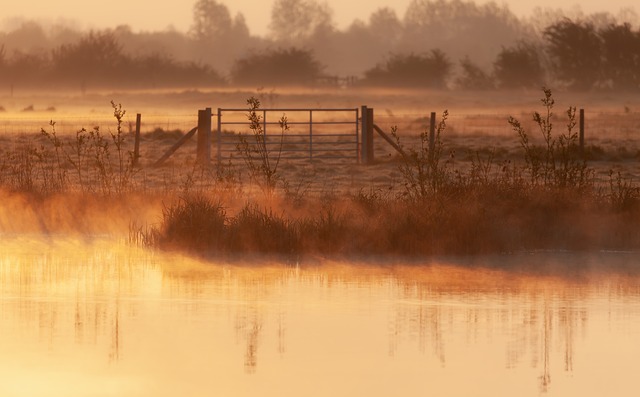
point(548, 198)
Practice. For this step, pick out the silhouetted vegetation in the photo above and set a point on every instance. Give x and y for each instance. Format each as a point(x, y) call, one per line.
point(427, 44)
point(544, 196)
point(425, 70)
point(519, 66)
point(621, 56)
point(574, 49)
point(295, 21)
point(472, 77)
point(549, 200)
point(282, 67)
point(460, 28)
point(97, 60)
point(585, 57)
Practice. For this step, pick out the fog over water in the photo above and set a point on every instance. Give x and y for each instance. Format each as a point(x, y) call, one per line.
point(96, 317)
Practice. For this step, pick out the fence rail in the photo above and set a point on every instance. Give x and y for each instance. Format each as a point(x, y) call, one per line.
point(311, 133)
point(322, 133)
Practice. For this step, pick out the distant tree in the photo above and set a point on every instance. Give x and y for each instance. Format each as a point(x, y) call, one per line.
point(293, 21)
point(240, 28)
point(161, 70)
point(218, 38)
point(621, 56)
point(449, 25)
point(519, 66)
point(425, 70)
point(28, 69)
point(347, 52)
point(292, 66)
point(99, 60)
point(385, 26)
point(211, 20)
point(29, 36)
point(575, 52)
point(97, 55)
point(472, 77)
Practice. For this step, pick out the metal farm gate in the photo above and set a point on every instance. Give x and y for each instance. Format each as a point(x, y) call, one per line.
point(312, 134)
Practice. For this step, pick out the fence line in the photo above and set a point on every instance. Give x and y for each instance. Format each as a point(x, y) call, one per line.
point(598, 125)
point(68, 124)
point(626, 124)
point(327, 133)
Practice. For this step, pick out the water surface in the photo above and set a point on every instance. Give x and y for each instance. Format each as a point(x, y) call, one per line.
point(99, 318)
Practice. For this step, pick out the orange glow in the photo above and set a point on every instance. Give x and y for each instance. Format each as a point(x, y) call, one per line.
point(99, 318)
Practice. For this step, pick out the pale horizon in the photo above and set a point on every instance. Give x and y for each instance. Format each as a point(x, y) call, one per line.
point(144, 15)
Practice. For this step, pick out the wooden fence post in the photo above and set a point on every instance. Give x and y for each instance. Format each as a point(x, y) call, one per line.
point(363, 134)
point(581, 139)
point(136, 149)
point(310, 135)
point(432, 134)
point(204, 136)
point(219, 135)
point(369, 135)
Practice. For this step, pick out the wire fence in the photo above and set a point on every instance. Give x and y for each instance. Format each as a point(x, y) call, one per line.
point(625, 124)
point(616, 125)
point(33, 123)
point(600, 126)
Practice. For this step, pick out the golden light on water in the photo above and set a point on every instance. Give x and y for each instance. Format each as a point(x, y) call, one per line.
point(104, 319)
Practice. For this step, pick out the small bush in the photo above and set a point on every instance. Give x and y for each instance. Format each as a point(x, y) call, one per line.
point(410, 71)
point(423, 170)
point(281, 67)
point(558, 162)
point(473, 77)
point(519, 66)
point(193, 223)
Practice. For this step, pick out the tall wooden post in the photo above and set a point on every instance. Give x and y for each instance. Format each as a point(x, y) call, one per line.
point(363, 134)
point(432, 134)
point(369, 135)
point(366, 134)
point(136, 148)
point(581, 139)
point(310, 135)
point(358, 147)
point(219, 135)
point(204, 136)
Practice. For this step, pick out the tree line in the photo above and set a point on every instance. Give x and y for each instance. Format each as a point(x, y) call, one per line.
point(437, 44)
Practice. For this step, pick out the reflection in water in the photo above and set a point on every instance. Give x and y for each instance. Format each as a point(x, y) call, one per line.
point(529, 317)
point(150, 324)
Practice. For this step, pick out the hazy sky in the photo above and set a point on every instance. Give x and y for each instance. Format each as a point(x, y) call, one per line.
point(157, 15)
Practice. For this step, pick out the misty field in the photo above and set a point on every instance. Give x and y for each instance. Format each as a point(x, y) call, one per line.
point(497, 178)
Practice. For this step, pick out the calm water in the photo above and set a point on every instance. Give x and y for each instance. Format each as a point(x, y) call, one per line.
point(99, 318)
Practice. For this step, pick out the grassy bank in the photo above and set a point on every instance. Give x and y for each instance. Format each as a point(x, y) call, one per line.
point(458, 220)
point(549, 197)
